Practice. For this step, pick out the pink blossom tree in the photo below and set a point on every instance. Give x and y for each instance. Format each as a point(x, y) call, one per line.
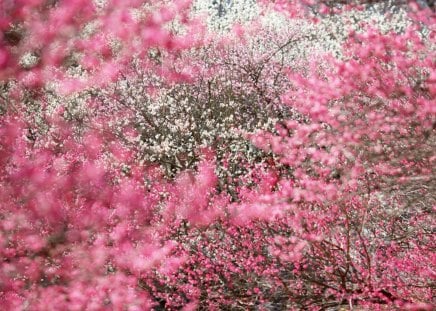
point(361, 154)
point(349, 223)
point(77, 229)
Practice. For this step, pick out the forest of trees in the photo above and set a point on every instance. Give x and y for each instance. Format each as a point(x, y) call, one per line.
point(217, 155)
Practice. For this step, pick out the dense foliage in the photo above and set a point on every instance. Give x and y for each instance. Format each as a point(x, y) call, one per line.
point(151, 160)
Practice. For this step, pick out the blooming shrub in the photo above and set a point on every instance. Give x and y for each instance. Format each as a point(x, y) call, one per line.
point(42, 40)
point(78, 232)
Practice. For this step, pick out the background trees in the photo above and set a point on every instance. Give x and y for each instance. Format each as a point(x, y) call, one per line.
point(149, 163)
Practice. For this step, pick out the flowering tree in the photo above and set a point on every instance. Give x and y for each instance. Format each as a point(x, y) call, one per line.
point(68, 208)
point(361, 156)
point(352, 225)
point(334, 209)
